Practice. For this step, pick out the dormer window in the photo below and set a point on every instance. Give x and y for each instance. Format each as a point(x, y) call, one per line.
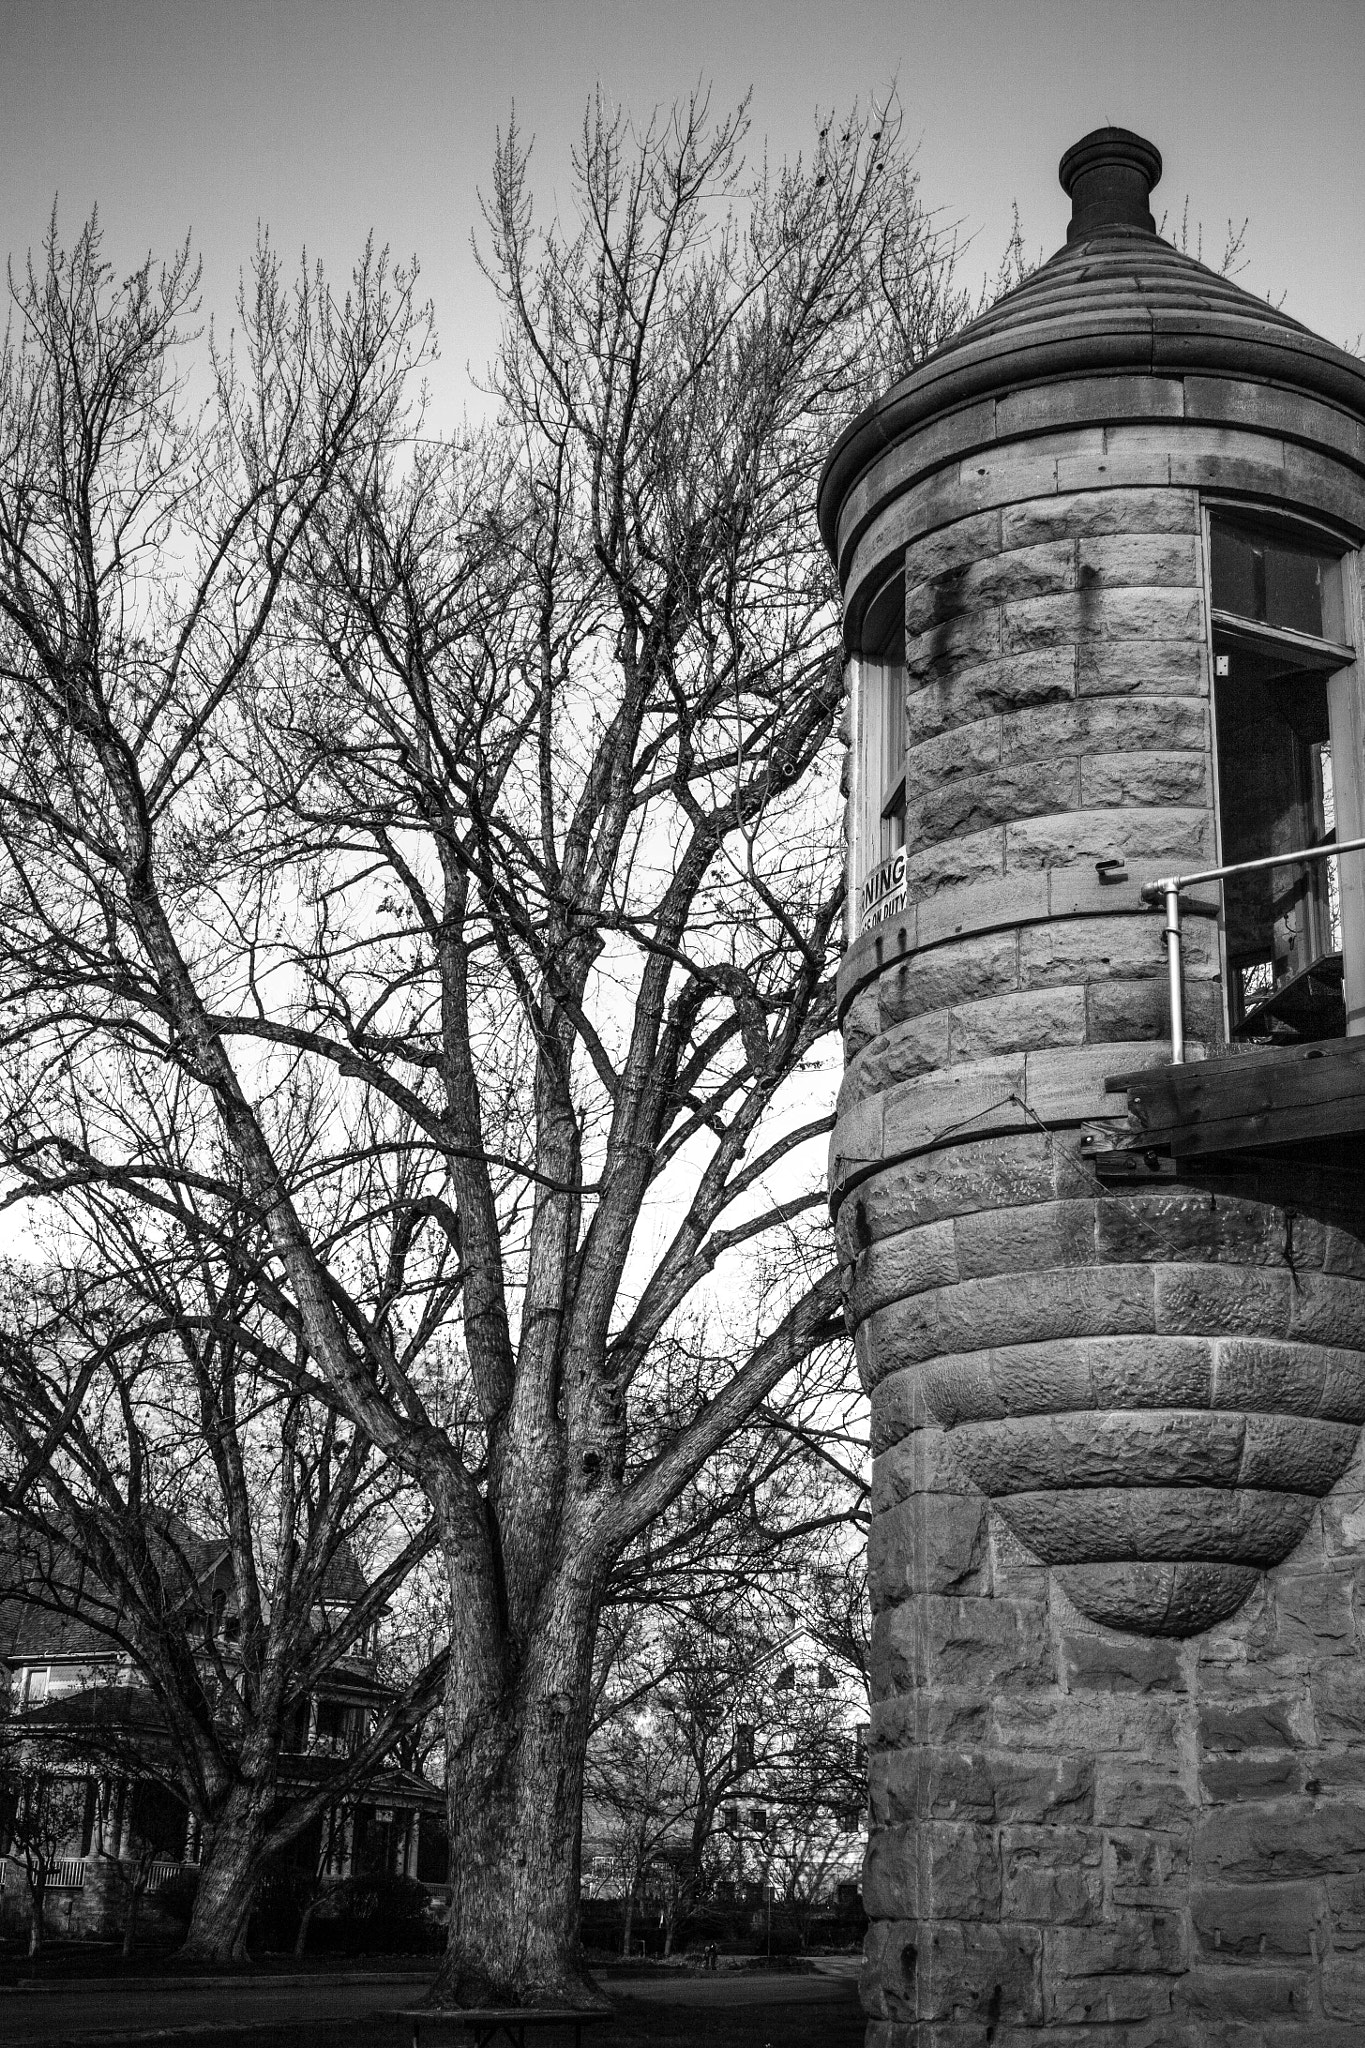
point(1288, 748)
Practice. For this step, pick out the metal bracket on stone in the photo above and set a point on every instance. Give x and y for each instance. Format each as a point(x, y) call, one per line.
point(1118, 1156)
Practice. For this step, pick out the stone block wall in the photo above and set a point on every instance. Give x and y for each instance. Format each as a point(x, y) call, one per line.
point(1081, 1833)
point(1085, 1837)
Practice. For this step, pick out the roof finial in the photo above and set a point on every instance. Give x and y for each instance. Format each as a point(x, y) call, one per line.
point(1108, 176)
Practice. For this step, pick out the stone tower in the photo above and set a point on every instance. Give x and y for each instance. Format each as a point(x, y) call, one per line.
point(1102, 586)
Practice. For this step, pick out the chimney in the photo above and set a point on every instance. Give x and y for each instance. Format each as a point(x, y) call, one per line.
point(1108, 176)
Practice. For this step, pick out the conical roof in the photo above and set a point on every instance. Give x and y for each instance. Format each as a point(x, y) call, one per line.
point(1115, 300)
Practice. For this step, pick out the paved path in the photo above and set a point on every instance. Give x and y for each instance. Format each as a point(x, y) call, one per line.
point(53, 2015)
point(732, 1988)
point(124, 2011)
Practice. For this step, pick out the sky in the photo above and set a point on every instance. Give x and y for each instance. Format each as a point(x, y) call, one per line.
point(329, 119)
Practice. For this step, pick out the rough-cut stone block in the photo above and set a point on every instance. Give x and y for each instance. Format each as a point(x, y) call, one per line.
point(1346, 1911)
point(983, 1643)
point(1084, 950)
point(902, 1265)
point(898, 1406)
point(1109, 1663)
point(1149, 1372)
point(1042, 1790)
point(985, 689)
point(1235, 1993)
point(961, 1865)
point(1258, 1845)
point(980, 1973)
point(1045, 570)
point(1117, 1010)
point(1014, 789)
point(967, 539)
point(1113, 1524)
point(1250, 1778)
point(1089, 1448)
point(1177, 838)
point(1011, 1379)
point(959, 1179)
point(1314, 1613)
point(1028, 1022)
point(1295, 1379)
point(949, 976)
point(927, 1546)
point(1051, 1875)
point(1105, 727)
point(970, 749)
point(861, 1022)
point(1186, 1224)
point(1344, 1254)
point(1042, 1234)
point(1019, 1308)
point(891, 1874)
point(1094, 616)
point(887, 1982)
point(1270, 1722)
point(1217, 1301)
point(1121, 512)
point(1133, 779)
point(1131, 1941)
point(1338, 1703)
point(892, 1057)
point(922, 1465)
point(1158, 1599)
point(971, 635)
point(1343, 1988)
point(1273, 1920)
point(1138, 560)
point(1295, 1452)
point(1149, 1867)
point(951, 863)
point(1328, 1310)
point(1142, 1794)
point(1175, 667)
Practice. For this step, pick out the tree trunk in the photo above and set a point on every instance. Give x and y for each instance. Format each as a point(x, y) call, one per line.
point(37, 1891)
point(305, 1922)
point(130, 1924)
point(228, 1876)
point(515, 1794)
point(629, 1923)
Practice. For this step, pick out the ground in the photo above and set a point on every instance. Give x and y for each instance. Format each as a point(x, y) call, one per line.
point(731, 2009)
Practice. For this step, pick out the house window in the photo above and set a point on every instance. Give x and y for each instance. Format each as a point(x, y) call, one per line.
point(1286, 719)
point(333, 1724)
point(35, 1686)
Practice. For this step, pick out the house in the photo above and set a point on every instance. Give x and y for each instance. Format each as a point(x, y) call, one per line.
point(83, 1721)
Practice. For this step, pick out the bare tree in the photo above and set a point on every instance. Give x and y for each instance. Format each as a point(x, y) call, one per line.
point(480, 795)
point(166, 1492)
point(38, 1816)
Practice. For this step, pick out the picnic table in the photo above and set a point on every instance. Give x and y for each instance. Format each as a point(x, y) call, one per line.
point(483, 2024)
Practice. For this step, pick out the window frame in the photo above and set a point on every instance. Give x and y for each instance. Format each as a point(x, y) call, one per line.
point(1345, 681)
point(877, 684)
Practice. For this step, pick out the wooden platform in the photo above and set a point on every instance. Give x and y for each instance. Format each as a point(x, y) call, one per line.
point(1299, 1102)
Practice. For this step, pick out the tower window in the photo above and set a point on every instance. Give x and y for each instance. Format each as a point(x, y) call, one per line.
point(1282, 680)
point(877, 811)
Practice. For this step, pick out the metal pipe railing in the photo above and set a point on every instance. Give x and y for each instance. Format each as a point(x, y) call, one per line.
point(1168, 888)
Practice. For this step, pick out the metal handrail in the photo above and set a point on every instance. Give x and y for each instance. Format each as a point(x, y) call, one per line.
point(1169, 888)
